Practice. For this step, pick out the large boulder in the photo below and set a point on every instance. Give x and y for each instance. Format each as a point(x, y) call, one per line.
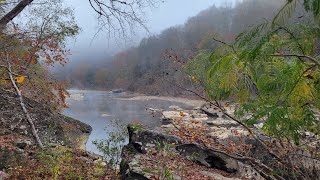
point(208, 158)
point(142, 141)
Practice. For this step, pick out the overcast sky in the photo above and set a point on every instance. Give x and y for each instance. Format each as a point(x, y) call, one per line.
point(167, 14)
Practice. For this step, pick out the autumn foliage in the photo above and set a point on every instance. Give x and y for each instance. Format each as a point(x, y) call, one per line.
point(32, 54)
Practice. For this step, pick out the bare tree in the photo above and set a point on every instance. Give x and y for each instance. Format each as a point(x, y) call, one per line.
point(120, 16)
point(116, 16)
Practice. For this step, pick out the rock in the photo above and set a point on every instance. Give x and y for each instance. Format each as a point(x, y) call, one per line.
point(175, 108)
point(141, 137)
point(92, 155)
point(173, 115)
point(309, 134)
point(209, 111)
point(117, 90)
point(221, 122)
point(52, 127)
point(22, 144)
point(249, 172)
point(167, 126)
point(142, 140)
point(133, 169)
point(208, 158)
point(185, 115)
point(258, 126)
point(196, 108)
point(217, 176)
point(223, 133)
point(100, 162)
point(23, 127)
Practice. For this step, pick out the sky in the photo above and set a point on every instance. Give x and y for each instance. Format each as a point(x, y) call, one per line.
point(89, 44)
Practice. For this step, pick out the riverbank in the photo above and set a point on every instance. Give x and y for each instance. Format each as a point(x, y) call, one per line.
point(203, 143)
point(135, 96)
point(64, 138)
point(100, 108)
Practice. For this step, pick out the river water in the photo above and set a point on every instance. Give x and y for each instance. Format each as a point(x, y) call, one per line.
point(100, 108)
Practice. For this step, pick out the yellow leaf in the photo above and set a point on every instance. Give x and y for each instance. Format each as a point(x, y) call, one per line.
point(194, 78)
point(20, 79)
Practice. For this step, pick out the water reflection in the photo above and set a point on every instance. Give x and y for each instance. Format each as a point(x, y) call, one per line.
point(99, 108)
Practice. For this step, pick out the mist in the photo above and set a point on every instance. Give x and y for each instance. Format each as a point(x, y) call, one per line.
point(136, 62)
point(94, 43)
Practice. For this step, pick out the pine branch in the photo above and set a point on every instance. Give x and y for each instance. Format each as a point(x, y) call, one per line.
point(315, 61)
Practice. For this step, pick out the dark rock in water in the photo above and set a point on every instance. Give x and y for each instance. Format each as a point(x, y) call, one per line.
point(117, 90)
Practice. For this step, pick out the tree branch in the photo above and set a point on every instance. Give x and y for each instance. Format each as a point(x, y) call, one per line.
point(13, 13)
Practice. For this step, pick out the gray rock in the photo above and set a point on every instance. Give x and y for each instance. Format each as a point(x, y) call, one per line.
point(175, 108)
point(23, 143)
point(221, 122)
point(208, 158)
point(140, 141)
point(117, 90)
point(52, 127)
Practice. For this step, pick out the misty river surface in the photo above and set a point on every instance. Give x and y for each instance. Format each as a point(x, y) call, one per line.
point(100, 108)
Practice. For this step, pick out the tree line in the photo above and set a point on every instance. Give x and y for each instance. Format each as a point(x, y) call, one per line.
point(142, 68)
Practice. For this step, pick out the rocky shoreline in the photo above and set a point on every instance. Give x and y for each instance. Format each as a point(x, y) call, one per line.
point(181, 142)
point(17, 145)
point(175, 150)
point(53, 128)
point(142, 153)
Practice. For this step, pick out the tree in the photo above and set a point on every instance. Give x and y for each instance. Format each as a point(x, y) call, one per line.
point(291, 6)
point(31, 47)
point(272, 72)
point(121, 16)
point(27, 53)
point(114, 15)
point(13, 13)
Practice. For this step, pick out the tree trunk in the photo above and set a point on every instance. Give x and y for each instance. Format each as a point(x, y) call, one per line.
point(13, 13)
point(29, 119)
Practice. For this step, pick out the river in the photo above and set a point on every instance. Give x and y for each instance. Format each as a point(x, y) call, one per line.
point(100, 108)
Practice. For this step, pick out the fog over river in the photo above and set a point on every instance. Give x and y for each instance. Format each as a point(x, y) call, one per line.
point(99, 108)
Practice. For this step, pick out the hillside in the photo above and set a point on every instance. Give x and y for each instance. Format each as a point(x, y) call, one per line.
point(148, 67)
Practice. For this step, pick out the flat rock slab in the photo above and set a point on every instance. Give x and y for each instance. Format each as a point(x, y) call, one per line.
point(223, 133)
point(187, 115)
point(221, 122)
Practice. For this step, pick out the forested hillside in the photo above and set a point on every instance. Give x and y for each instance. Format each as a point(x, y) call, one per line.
point(154, 66)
